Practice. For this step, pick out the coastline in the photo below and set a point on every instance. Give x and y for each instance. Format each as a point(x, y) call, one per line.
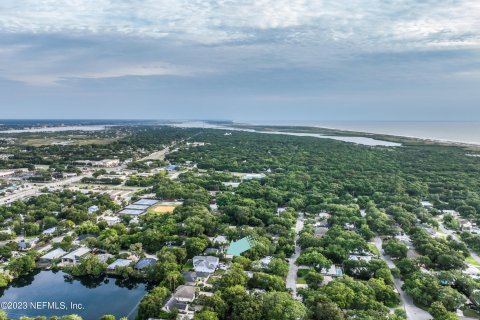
point(425, 139)
point(371, 134)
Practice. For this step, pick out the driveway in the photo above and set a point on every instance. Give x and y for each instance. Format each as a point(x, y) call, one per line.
point(413, 312)
point(291, 281)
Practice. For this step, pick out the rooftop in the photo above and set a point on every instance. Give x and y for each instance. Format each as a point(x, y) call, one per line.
point(77, 253)
point(146, 202)
point(54, 254)
point(145, 262)
point(119, 263)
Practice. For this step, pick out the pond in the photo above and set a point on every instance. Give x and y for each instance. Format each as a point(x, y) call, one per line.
point(51, 293)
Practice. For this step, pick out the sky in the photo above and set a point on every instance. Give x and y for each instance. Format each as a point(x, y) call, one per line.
point(270, 60)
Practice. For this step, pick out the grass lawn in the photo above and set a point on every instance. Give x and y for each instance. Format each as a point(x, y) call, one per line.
point(301, 280)
point(302, 272)
point(373, 248)
point(472, 261)
point(188, 266)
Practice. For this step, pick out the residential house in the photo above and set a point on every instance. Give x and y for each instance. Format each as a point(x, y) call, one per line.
point(193, 278)
point(180, 300)
point(112, 220)
point(220, 240)
point(320, 231)
point(75, 256)
point(50, 231)
point(171, 168)
point(366, 258)
point(265, 261)
point(118, 263)
point(103, 257)
point(251, 176)
point(349, 227)
point(454, 213)
point(144, 263)
point(426, 204)
point(231, 184)
point(206, 264)
point(52, 255)
point(212, 251)
point(333, 271)
point(465, 224)
point(27, 244)
point(93, 209)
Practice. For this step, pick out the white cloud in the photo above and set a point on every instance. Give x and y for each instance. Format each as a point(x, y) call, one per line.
point(205, 36)
point(363, 22)
point(55, 78)
point(53, 67)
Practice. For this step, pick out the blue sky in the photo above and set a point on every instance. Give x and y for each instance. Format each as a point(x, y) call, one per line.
point(240, 59)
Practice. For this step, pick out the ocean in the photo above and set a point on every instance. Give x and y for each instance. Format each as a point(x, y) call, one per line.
point(461, 132)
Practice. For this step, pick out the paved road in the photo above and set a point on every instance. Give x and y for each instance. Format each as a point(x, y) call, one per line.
point(413, 312)
point(159, 155)
point(291, 281)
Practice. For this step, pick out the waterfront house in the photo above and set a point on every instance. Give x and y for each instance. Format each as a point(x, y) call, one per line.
point(52, 255)
point(103, 257)
point(75, 256)
point(118, 263)
point(145, 262)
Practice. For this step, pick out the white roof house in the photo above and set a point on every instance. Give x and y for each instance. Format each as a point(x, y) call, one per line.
point(54, 254)
point(93, 209)
point(49, 231)
point(426, 204)
point(27, 244)
point(231, 184)
point(76, 255)
point(251, 176)
point(220, 239)
point(112, 220)
point(205, 263)
point(119, 263)
point(333, 271)
point(265, 261)
point(356, 257)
